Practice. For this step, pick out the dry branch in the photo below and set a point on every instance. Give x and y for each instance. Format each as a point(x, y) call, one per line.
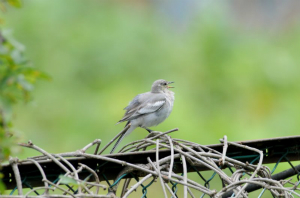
point(191, 155)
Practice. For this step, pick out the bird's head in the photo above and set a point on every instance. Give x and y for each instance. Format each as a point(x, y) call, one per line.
point(160, 86)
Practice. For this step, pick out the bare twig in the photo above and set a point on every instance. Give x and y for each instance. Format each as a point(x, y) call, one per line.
point(125, 186)
point(258, 166)
point(136, 185)
point(172, 155)
point(95, 176)
point(38, 188)
point(224, 150)
point(170, 191)
point(191, 154)
point(184, 176)
point(158, 168)
point(97, 141)
point(14, 164)
point(60, 188)
point(42, 173)
point(31, 145)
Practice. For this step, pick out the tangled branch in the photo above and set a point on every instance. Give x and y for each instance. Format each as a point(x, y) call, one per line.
point(183, 155)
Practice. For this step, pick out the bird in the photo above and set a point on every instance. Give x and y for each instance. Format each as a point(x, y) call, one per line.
point(148, 109)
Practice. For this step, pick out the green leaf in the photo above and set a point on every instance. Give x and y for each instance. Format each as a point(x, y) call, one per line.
point(24, 85)
point(67, 180)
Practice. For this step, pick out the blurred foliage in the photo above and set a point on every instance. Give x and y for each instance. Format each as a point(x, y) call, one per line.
point(17, 77)
point(228, 80)
point(13, 3)
point(230, 77)
point(16, 82)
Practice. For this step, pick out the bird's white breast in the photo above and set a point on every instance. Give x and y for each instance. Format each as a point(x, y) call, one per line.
point(170, 97)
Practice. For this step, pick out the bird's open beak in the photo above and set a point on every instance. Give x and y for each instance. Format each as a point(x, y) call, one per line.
point(170, 86)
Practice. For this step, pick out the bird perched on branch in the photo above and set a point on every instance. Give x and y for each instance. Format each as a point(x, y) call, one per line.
point(148, 109)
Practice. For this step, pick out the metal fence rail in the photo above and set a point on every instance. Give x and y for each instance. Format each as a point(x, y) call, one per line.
point(78, 173)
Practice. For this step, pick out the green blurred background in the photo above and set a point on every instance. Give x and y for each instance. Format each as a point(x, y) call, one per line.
point(235, 65)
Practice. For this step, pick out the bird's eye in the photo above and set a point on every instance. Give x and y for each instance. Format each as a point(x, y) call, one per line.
point(164, 84)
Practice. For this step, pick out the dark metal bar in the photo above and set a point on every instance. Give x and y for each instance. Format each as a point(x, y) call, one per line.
point(273, 149)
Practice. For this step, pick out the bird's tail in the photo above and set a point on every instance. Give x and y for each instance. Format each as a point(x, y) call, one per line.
point(127, 132)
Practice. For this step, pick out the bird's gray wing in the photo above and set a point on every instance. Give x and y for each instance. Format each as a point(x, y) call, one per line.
point(135, 102)
point(133, 106)
point(143, 104)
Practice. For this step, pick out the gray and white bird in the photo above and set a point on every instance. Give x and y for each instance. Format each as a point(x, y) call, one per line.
point(148, 109)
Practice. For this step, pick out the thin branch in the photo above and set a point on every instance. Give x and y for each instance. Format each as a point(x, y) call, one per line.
point(136, 185)
point(96, 141)
point(57, 186)
point(31, 145)
point(125, 186)
point(184, 175)
point(95, 176)
point(172, 155)
point(224, 150)
point(158, 168)
point(14, 164)
point(42, 173)
point(74, 171)
point(190, 192)
point(38, 188)
point(169, 189)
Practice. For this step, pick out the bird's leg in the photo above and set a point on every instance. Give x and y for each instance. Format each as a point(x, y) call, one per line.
point(149, 130)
